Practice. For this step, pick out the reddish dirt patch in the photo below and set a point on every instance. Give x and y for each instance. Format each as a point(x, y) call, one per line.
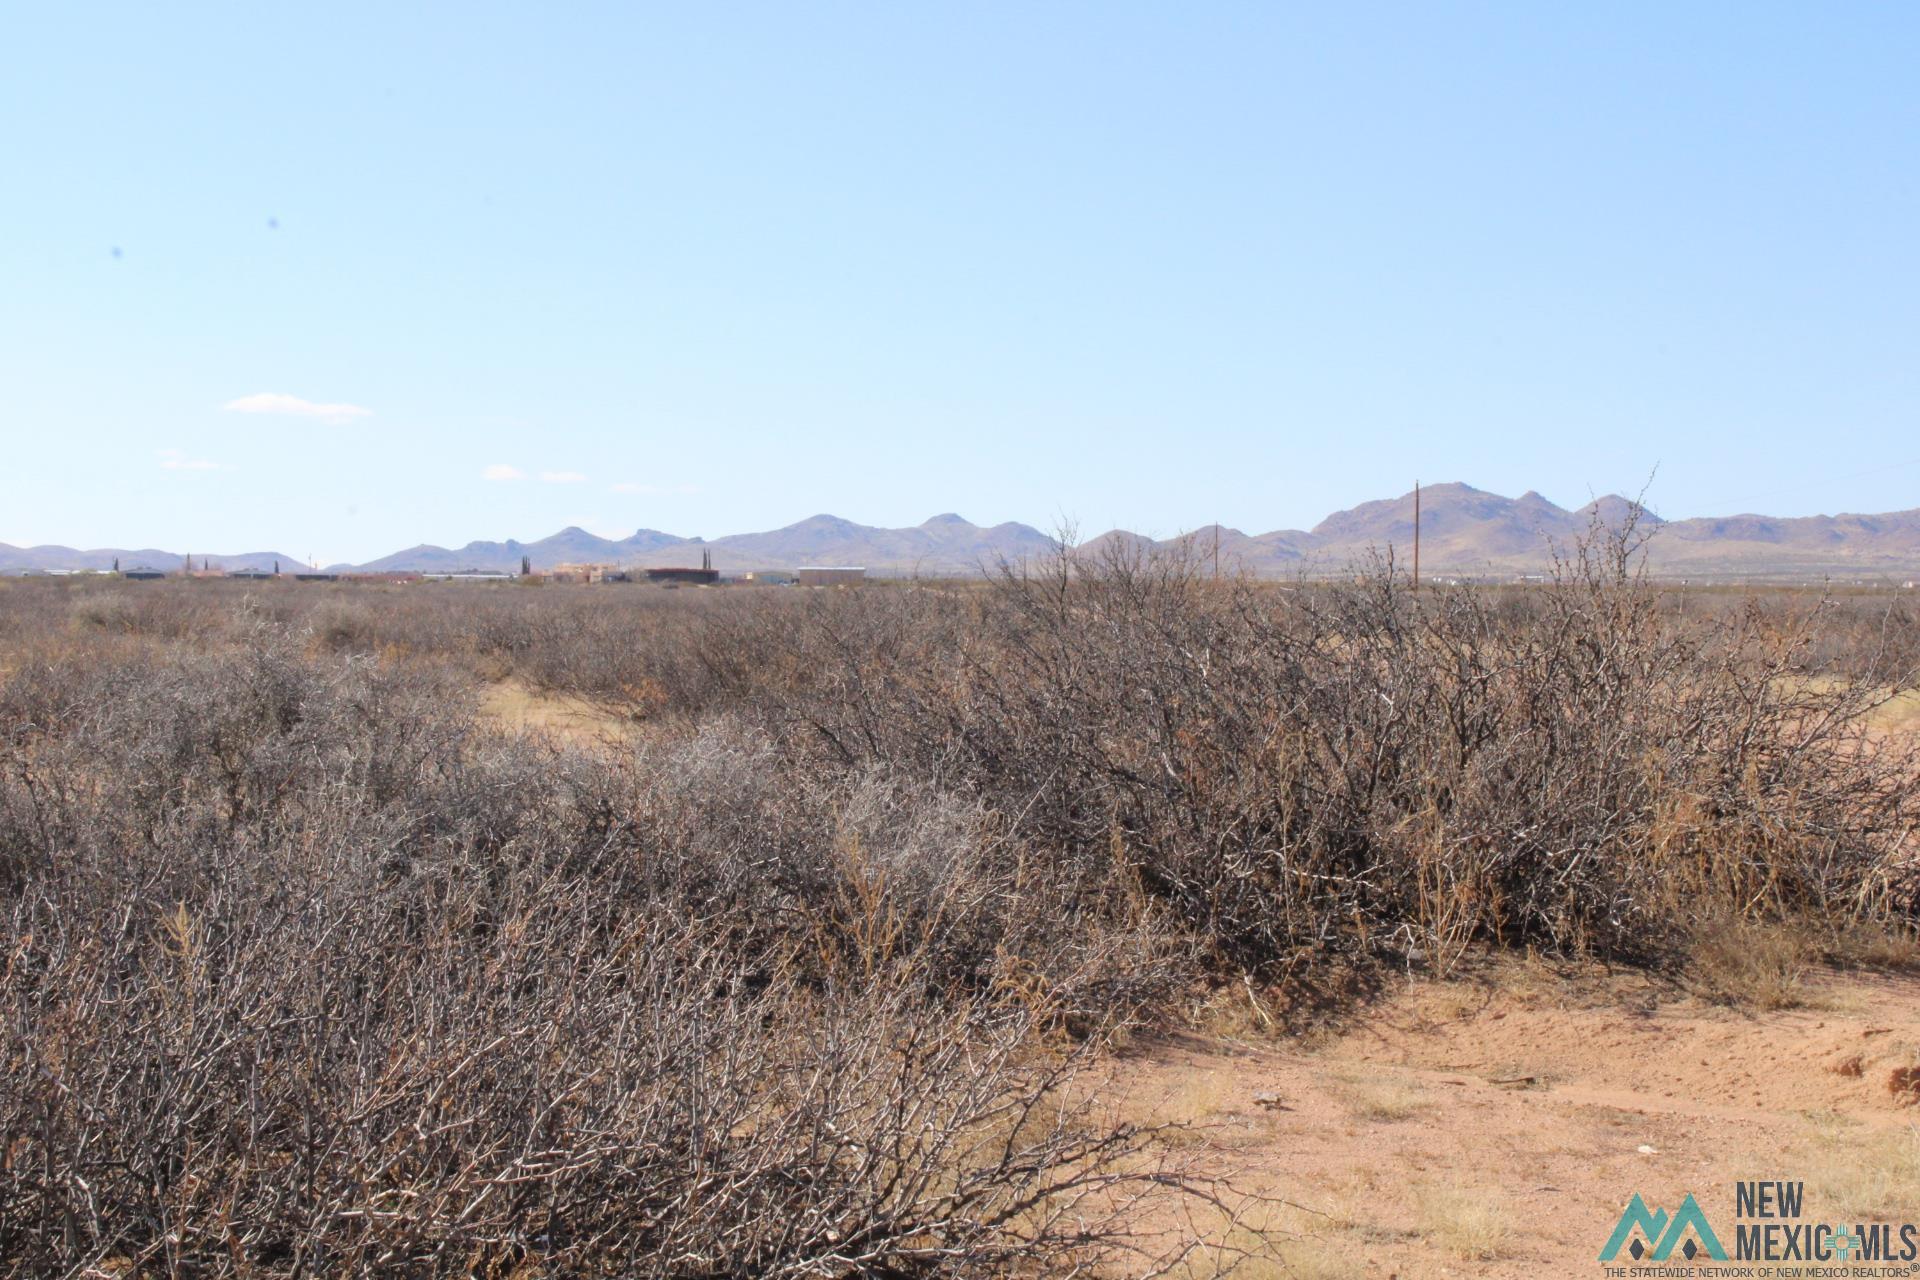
point(1498, 1127)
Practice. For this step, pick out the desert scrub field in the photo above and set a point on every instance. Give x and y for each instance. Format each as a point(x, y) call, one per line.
point(807, 960)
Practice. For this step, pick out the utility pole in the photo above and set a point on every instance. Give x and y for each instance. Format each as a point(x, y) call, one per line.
point(1416, 535)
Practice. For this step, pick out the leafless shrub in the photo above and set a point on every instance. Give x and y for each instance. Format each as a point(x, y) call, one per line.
point(1348, 766)
point(307, 973)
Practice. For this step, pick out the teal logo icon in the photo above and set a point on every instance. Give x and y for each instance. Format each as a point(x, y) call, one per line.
point(1842, 1243)
point(1645, 1233)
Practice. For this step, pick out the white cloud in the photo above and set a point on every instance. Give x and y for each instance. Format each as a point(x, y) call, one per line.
point(562, 477)
point(175, 460)
point(294, 406)
point(501, 471)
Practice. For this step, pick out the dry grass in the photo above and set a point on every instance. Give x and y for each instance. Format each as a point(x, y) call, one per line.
point(1857, 1174)
point(1878, 946)
point(1474, 1225)
point(1751, 964)
point(513, 705)
point(1383, 1100)
point(1280, 1242)
point(1193, 1113)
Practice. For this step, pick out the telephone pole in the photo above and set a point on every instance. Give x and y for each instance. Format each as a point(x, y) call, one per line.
point(1416, 535)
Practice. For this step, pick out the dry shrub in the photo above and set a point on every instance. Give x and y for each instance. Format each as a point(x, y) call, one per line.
point(305, 973)
point(1284, 774)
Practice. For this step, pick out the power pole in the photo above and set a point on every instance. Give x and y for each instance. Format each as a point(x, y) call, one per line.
point(1416, 535)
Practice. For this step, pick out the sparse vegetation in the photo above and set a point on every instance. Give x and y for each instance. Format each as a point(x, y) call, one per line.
point(1382, 1099)
point(1470, 1224)
point(1866, 1176)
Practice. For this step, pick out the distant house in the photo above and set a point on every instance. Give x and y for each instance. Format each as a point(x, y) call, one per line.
point(253, 574)
point(143, 573)
point(839, 575)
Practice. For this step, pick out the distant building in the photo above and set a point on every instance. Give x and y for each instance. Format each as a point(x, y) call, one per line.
point(839, 575)
point(141, 573)
point(705, 575)
point(584, 573)
point(684, 577)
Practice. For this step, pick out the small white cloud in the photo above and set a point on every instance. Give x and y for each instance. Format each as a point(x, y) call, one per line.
point(562, 477)
point(175, 460)
point(501, 471)
point(294, 406)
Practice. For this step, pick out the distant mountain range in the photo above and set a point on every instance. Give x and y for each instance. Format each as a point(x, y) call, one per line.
point(944, 545)
point(1464, 531)
point(42, 559)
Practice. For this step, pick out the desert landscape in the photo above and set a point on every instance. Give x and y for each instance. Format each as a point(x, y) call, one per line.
point(989, 641)
point(1112, 919)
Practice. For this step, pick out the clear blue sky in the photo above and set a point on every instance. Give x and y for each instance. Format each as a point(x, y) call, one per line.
point(1140, 265)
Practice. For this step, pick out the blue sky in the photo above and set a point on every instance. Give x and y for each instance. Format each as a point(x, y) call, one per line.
point(305, 277)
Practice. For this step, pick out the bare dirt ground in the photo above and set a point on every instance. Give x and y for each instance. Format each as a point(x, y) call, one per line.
point(1497, 1127)
point(518, 706)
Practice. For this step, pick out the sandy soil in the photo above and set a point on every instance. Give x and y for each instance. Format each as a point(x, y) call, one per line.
point(1497, 1127)
point(514, 704)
